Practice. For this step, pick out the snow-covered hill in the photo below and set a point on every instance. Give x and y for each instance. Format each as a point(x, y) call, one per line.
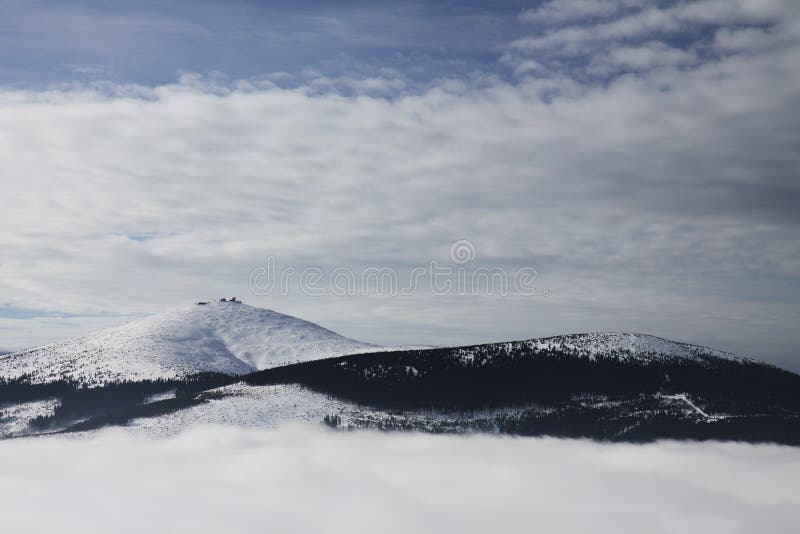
point(563, 385)
point(621, 345)
point(225, 337)
point(626, 345)
point(234, 338)
point(245, 404)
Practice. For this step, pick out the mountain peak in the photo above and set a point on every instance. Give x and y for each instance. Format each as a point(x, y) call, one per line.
point(230, 337)
point(224, 336)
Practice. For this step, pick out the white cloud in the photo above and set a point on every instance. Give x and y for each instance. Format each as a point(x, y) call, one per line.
point(570, 10)
point(576, 38)
point(735, 11)
point(647, 22)
point(296, 479)
point(663, 193)
point(640, 58)
point(755, 40)
point(597, 188)
point(529, 66)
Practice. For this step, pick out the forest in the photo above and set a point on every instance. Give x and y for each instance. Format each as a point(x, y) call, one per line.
point(490, 376)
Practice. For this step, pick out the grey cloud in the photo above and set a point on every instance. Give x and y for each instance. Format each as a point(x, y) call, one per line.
point(599, 189)
point(661, 201)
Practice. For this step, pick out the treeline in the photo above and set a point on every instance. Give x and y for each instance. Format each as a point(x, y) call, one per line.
point(640, 420)
point(23, 390)
point(646, 419)
point(499, 375)
point(78, 402)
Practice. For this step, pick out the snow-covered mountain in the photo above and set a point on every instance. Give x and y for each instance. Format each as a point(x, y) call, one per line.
point(620, 345)
point(234, 338)
point(224, 337)
point(610, 386)
point(626, 345)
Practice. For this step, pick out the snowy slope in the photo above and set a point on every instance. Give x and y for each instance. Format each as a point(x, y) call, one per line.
point(269, 406)
point(621, 345)
point(248, 406)
point(626, 345)
point(234, 338)
point(15, 418)
point(224, 337)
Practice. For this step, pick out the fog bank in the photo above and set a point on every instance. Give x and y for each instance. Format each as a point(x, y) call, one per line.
point(302, 479)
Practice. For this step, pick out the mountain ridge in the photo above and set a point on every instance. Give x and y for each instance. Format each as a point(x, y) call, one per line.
point(230, 337)
point(223, 337)
point(229, 362)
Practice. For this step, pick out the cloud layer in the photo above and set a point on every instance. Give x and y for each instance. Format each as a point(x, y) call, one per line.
point(648, 177)
point(298, 479)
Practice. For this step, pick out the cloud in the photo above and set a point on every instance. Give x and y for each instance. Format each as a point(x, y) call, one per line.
point(572, 10)
point(620, 196)
point(641, 58)
point(734, 12)
point(297, 479)
point(528, 66)
point(651, 183)
point(587, 42)
point(574, 38)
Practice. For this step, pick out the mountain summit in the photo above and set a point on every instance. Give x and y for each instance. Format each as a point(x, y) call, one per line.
point(223, 337)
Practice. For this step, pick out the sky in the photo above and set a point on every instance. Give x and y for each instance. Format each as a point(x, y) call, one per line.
point(302, 479)
point(640, 156)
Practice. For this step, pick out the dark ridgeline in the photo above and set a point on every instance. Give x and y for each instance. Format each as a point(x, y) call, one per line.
point(614, 396)
point(506, 387)
point(501, 375)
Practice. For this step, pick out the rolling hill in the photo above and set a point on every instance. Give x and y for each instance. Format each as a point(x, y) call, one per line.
point(220, 337)
point(226, 362)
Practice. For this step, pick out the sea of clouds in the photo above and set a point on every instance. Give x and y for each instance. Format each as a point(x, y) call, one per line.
point(303, 479)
